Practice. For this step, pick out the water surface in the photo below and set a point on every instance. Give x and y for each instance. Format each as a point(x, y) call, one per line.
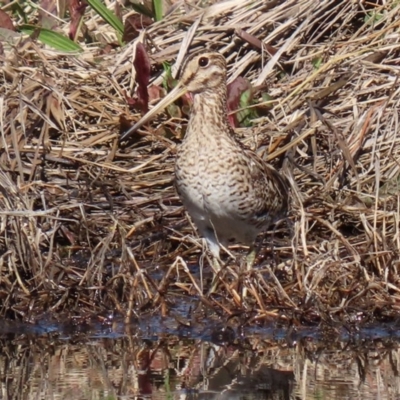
point(160, 359)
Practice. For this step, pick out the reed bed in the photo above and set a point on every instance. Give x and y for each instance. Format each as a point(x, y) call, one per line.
point(90, 226)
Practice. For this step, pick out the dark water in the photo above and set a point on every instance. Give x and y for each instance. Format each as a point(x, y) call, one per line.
point(159, 359)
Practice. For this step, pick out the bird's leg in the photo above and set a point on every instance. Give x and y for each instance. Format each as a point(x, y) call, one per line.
point(216, 266)
point(215, 246)
point(250, 258)
point(215, 260)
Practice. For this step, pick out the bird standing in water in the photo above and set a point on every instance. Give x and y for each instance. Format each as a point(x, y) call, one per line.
point(229, 191)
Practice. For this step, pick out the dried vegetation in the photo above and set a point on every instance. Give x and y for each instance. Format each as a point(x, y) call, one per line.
point(89, 225)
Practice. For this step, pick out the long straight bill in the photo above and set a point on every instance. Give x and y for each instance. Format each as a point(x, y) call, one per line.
point(175, 93)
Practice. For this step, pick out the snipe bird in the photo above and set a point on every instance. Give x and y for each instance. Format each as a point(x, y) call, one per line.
point(228, 190)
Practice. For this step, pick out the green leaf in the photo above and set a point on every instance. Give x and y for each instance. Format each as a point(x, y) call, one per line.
point(107, 15)
point(245, 116)
point(168, 81)
point(266, 97)
point(51, 38)
point(158, 9)
point(372, 17)
point(317, 62)
point(245, 98)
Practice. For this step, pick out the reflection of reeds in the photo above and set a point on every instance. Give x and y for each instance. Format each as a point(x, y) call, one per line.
point(87, 226)
point(172, 367)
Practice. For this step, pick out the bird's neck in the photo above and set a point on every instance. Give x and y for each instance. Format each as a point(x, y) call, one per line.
point(209, 110)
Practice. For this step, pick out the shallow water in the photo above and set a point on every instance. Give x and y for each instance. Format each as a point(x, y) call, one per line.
point(158, 359)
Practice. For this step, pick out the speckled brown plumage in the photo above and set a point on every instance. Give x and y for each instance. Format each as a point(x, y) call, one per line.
point(230, 193)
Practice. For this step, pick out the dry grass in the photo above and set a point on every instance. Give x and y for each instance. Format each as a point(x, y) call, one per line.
point(88, 226)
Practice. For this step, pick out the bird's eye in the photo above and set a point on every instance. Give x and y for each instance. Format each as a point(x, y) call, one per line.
point(203, 61)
